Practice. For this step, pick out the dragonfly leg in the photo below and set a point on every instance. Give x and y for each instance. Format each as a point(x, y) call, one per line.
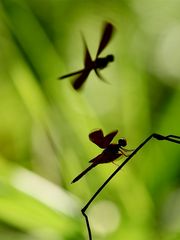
point(123, 152)
point(115, 163)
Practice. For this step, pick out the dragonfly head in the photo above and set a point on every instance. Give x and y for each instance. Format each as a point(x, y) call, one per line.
point(110, 58)
point(122, 142)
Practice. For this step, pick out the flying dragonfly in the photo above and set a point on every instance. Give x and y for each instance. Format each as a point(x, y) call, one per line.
point(111, 151)
point(98, 63)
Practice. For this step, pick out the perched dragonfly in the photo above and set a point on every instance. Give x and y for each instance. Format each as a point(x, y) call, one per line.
point(98, 63)
point(111, 151)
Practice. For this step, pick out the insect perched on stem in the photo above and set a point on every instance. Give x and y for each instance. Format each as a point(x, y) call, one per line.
point(170, 138)
point(111, 151)
point(98, 63)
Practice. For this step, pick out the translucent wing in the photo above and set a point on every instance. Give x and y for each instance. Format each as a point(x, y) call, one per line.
point(106, 37)
point(98, 138)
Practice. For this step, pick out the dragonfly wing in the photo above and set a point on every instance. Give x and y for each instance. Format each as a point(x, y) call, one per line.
point(100, 76)
point(78, 82)
point(97, 137)
point(109, 137)
point(106, 37)
point(87, 59)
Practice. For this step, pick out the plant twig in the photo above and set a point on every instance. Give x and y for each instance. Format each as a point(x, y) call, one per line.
point(170, 138)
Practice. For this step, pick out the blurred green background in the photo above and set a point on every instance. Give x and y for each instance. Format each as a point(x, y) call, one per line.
point(44, 123)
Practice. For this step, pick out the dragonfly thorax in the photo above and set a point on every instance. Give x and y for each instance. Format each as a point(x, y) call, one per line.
point(113, 148)
point(103, 62)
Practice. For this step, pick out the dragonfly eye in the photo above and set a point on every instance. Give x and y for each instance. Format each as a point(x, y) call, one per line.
point(122, 142)
point(110, 58)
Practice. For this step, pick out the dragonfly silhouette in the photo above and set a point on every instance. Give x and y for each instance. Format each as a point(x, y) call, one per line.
point(111, 151)
point(98, 63)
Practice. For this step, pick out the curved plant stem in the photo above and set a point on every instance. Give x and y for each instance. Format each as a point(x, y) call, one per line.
point(170, 138)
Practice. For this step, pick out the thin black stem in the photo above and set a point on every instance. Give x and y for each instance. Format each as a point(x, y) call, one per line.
point(87, 224)
point(171, 138)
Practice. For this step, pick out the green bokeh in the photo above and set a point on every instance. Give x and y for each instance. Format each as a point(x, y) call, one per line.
point(44, 123)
